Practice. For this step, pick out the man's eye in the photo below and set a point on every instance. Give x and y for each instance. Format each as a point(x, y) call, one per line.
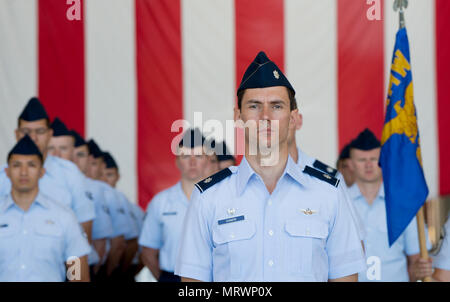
point(41, 131)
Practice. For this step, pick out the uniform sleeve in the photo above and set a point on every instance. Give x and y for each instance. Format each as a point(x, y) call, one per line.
point(140, 216)
point(133, 230)
point(411, 237)
point(118, 216)
point(102, 226)
point(82, 206)
point(344, 248)
point(76, 244)
point(442, 260)
point(151, 234)
point(356, 219)
point(195, 258)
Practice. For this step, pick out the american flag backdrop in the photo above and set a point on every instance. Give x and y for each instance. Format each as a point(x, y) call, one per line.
point(129, 68)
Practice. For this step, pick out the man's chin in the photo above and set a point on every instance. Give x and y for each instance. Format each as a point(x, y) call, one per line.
point(24, 190)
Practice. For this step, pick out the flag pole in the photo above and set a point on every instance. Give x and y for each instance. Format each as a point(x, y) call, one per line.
point(401, 5)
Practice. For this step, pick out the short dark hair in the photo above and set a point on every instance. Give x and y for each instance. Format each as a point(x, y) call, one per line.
point(41, 158)
point(291, 93)
point(46, 119)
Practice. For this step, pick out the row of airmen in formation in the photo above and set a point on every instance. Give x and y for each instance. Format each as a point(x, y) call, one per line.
point(295, 219)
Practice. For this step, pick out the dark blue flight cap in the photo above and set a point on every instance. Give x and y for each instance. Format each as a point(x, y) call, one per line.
point(365, 141)
point(192, 138)
point(79, 140)
point(26, 146)
point(345, 152)
point(109, 160)
point(262, 73)
point(223, 153)
point(33, 111)
point(94, 149)
point(59, 128)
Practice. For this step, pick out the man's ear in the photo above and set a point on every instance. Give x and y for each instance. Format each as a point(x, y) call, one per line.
point(17, 134)
point(237, 114)
point(299, 123)
point(177, 161)
point(41, 174)
point(7, 172)
point(351, 165)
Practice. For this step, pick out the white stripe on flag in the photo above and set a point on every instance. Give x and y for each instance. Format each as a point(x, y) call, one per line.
point(420, 24)
point(18, 65)
point(311, 61)
point(111, 84)
point(208, 61)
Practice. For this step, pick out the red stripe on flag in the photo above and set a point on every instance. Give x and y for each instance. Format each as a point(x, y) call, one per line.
point(259, 27)
point(159, 93)
point(443, 92)
point(61, 62)
point(360, 71)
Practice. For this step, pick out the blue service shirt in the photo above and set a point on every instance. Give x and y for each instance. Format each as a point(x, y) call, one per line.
point(237, 231)
point(139, 215)
point(34, 245)
point(133, 229)
point(163, 225)
point(442, 259)
point(119, 217)
point(394, 265)
point(306, 160)
point(64, 183)
point(102, 225)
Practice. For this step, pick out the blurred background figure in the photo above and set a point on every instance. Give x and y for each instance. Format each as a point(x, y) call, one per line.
point(400, 262)
point(39, 237)
point(128, 267)
point(160, 236)
point(224, 156)
point(343, 166)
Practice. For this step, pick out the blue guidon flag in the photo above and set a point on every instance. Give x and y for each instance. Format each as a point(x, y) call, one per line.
point(405, 187)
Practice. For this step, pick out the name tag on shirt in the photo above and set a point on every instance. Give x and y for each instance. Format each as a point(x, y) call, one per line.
point(3, 226)
point(230, 220)
point(169, 213)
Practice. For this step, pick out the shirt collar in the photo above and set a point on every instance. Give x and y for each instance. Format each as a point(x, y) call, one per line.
point(355, 193)
point(9, 202)
point(180, 192)
point(245, 172)
point(48, 164)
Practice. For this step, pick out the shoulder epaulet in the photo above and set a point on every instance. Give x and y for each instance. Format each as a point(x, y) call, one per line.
point(325, 168)
point(322, 176)
point(213, 179)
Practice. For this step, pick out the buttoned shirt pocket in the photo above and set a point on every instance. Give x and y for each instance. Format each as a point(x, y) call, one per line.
point(233, 245)
point(306, 240)
point(49, 242)
point(8, 240)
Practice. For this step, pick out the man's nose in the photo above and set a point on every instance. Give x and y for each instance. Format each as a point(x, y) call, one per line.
point(265, 112)
point(24, 170)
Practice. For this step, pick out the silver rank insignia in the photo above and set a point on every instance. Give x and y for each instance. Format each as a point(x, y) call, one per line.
point(327, 176)
point(330, 170)
point(308, 211)
point(231, 211)
point(276, 74)
point(48, 221)
point(208, 180)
